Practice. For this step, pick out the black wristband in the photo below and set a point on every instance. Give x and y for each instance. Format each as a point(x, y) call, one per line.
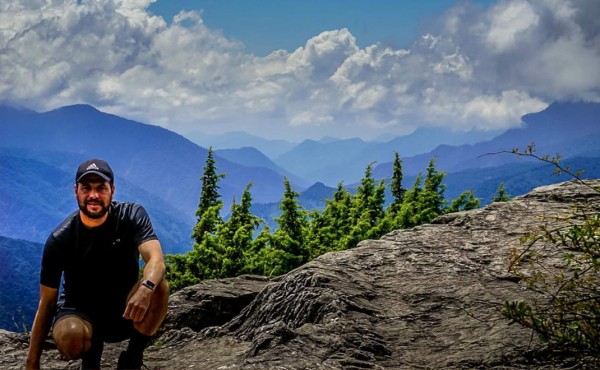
point(148, 284)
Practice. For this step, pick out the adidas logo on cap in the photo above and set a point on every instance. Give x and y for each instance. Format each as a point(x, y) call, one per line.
point(92, 166)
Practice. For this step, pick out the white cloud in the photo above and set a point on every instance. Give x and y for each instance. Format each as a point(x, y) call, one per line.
point(509, 22)
point(497, 110)
point(477, 68)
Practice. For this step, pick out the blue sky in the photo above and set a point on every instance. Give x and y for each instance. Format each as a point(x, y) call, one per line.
point(267, 25)
point(302, 69)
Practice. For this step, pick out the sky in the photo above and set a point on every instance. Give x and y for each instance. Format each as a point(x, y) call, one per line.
point(292, 70)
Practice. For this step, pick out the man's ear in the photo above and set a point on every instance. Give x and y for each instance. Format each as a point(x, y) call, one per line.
point(75, 190)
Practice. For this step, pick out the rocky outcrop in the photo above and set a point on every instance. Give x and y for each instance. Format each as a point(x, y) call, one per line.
point(428, 297)
point(212, 302)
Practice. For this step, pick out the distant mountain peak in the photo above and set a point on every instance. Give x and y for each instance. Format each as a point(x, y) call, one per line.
point(79, 108)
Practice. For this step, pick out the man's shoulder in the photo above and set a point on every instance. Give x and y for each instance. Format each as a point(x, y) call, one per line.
point(128, 210)
point(126, 207)
point(64, 228)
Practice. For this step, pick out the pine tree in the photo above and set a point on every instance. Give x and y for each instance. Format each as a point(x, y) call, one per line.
point(367, 210)
point(465, 201)
point(501, 195)
point(264, 258)
point(209, 198)
point(431, 199)
point(328, 228)
point(396, 185)
point(289, 237)
point(370, 197)
point(235, 236)
point(409, 214)
point(205, 260)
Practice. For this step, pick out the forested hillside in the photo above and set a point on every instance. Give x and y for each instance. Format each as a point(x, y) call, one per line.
point(19, 273)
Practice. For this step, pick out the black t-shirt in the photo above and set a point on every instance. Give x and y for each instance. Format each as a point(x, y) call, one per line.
point(100, 264)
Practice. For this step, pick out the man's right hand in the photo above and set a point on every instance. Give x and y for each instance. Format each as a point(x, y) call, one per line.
point(32, 364)
point(41, 325)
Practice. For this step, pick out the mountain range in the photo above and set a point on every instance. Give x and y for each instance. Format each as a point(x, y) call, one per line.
point(240, 139)
point(161, 169)
point(571, 129)
point(333, 161)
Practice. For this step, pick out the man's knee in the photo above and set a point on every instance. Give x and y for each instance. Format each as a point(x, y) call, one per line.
point(73, 336)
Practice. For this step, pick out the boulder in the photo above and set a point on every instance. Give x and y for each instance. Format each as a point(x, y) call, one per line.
point(211, 302)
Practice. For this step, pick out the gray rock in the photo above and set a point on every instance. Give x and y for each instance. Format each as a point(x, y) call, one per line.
point(428, 297)
point(211, 302)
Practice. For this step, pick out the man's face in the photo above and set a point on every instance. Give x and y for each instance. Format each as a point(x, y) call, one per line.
point(94, 195)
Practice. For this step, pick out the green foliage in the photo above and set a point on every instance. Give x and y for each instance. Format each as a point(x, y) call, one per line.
point(327, 229)
point(465, 201)
point(396, 184)
point(209, 199)
point(501, 195)
point(289, 237)
point(263, 258)
point(568, 310)
point(367, 210)
point(229, 248)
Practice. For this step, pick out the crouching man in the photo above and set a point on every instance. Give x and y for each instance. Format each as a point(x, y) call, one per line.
point(96, 249)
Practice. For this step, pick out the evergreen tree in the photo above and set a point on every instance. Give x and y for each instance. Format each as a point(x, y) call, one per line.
point(501, 195)
point(396, 185)
point(317, 235)
point(465, 201)
point(370, 198)
point(205, 260)
point(263, 258)
point(235, 236)
point(209, 198)
point(289, 237)
point(179, 273)
point(409, 214)
point(431, 199)
point(367, 210)
point(328, 228)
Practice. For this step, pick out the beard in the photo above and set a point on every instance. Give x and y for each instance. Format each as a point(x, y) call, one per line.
point(83, 207)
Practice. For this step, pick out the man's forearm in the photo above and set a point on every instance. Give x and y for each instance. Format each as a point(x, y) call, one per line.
point(154, 270)
point(39, 331)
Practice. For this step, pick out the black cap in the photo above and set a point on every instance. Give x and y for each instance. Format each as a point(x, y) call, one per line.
point(97, 167)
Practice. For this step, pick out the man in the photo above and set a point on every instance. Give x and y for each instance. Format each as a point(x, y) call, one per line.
point(97, 249)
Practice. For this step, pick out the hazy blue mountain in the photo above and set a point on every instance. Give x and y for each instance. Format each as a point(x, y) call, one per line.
point(333, 160)
point(240, 139)
point(329, 162)
point(252, 157)
point(20, 273)
point(570, 129)
point(428, 138)
point(328, 139)
point(519, 178)
point(165, 165)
